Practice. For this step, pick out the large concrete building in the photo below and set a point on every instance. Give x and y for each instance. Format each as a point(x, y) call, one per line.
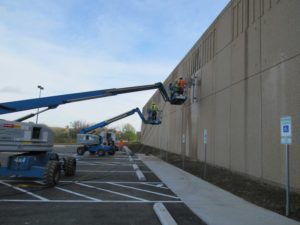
point(243, 74)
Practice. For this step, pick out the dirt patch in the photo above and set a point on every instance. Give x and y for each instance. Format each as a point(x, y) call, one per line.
point(252, 190)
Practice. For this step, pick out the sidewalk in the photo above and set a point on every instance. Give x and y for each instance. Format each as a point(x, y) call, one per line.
point(212, 204)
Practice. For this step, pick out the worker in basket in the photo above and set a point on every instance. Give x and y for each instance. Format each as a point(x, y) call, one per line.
point(180, 85)
point(121, 144)
point(154, 110)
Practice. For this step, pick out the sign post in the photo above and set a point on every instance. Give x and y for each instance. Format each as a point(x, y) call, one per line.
point(205, 151)
point(286, 139)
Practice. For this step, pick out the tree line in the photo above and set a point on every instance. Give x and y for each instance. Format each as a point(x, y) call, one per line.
point(67, 135)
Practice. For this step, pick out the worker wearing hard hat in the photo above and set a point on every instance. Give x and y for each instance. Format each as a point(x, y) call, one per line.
point(181, 85)
point(154, 110)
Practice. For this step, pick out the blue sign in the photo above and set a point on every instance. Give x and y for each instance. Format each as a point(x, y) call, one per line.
point(286, 130)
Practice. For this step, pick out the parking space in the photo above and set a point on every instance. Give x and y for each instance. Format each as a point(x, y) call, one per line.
point(104, 189)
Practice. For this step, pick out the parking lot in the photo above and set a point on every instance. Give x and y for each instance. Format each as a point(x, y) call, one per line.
point(104, 190)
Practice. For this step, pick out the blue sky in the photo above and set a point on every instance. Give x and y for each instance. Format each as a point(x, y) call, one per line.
point(80, 45)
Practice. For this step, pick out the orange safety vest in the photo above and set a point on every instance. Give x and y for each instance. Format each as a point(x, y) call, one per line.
point(181, 84)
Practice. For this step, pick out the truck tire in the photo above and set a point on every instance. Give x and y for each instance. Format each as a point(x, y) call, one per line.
point(53, 156)
point(80, 150)
point(112, 151)
point(70, 166)
point(101, 153)
point(52, 173)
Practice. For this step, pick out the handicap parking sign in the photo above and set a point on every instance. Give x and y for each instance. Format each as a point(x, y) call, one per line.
point(286, 129)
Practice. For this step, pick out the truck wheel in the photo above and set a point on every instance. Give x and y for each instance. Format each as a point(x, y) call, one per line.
point(80, 150)
point(52, 173)
point(111, 152)
point(70, 166)
point(53, 156)
point(101, 153)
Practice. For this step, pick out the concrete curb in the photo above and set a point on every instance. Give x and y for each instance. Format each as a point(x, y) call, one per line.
point(135, 167)
point(163, 214)
point(128, 151)
point(140, 175)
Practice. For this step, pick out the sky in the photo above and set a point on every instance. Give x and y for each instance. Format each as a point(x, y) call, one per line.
point(83, 45)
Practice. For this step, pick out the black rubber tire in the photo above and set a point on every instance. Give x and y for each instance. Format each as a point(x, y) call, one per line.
point(112, 151)
point(70, 166)
point(53, 156)
point(52, 173)
point(80, 150)
point(101, 153)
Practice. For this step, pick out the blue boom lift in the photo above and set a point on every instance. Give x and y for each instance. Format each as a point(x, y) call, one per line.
point(36, 140)
point(94, 143)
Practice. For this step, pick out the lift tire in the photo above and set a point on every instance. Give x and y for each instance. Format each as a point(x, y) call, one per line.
point(53, 156)
point(52, 173)
point(70, 166)
point(101, 153)
point(111, 152)
point(80, 150)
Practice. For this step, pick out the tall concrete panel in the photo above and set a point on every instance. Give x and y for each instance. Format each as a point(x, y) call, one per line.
point(224, 25)
point(238, 59)
point(223, 69)
point(237, 126)
point(253, 127)
point(245, 71)
point(206, 121)
point(253, 49)
point(280, 33)
point(222, 129)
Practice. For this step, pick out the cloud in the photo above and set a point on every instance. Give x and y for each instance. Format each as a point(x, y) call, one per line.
point(8, 89)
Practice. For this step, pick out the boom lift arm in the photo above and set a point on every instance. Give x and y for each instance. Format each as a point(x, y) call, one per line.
point(54, 101)
point(119, 117)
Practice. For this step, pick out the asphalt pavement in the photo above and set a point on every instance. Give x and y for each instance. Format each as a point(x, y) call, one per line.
point(105, 190)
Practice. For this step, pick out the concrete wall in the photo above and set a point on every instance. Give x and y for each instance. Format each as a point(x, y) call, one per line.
point(243, 74)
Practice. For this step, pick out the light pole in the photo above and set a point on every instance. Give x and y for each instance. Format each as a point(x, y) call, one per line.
point(37, 115)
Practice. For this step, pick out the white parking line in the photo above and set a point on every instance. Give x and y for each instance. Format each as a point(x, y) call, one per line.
point(113, 192)
point(109, 171)
point(138, 189)
point(86, 163)
point(107, 159)
point(98, 163)
point(106, 182)
point(85, 201)
point(24, 191)
point(78, 194)
point(83, 181)
point(155, 185)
